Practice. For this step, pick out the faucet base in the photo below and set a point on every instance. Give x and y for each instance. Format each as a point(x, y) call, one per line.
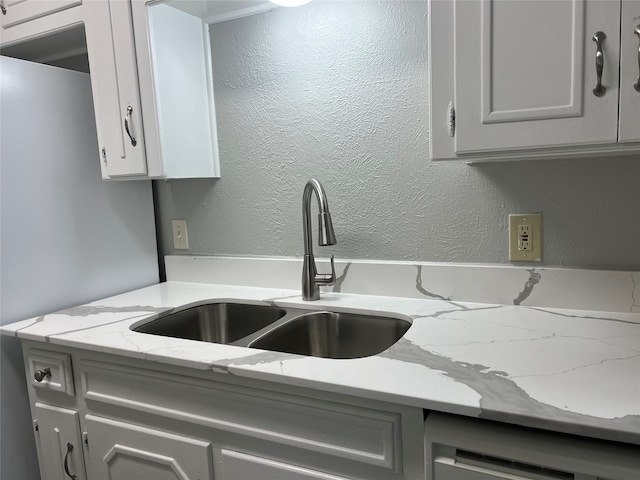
point(310, 290)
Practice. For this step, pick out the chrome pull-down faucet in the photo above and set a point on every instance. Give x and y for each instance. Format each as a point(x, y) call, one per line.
point(311, 279)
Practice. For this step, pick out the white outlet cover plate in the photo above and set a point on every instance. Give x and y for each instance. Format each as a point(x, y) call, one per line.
point(535, 235)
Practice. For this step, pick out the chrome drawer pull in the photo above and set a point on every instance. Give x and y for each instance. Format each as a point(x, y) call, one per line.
point(127, 119)
point(599, 38)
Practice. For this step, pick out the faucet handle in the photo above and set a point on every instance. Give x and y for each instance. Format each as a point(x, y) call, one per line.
point(326, 278)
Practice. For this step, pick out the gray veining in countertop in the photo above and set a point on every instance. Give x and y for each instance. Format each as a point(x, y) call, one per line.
point(567, 370)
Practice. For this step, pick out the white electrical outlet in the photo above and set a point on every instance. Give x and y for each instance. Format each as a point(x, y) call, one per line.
point(180, 236)
point(525, 238)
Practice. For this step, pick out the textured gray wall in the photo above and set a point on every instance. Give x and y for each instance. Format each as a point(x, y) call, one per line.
point(339, 93)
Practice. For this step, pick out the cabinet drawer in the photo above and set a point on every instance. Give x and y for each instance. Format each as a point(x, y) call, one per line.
point(359, 434)
point(20, 11)
point(50, 371)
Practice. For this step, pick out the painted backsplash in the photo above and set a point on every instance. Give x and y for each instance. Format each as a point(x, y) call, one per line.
point(338, 91)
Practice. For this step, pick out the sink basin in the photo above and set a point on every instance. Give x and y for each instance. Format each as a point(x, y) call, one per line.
point(334, 335)
point(289, 330)
point(214, 322)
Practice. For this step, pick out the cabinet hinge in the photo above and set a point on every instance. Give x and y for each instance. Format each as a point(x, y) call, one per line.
point(103, 153)
point(36, 428)
point(451, 119)
point(85, 440)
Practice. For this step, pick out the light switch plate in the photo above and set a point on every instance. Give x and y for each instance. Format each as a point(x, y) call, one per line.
point(180, 236)
point(525, 238)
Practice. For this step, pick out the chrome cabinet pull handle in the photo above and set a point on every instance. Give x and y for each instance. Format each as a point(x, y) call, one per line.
point(637, 85)
point(127, 119)
point(40, 375)
point(66, 462)
point(599, 38)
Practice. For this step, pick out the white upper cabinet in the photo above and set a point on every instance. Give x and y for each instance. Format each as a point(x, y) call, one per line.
point(152, 90)
point(527, 79)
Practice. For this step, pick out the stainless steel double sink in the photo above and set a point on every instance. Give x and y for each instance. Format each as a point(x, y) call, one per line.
point(291, 330)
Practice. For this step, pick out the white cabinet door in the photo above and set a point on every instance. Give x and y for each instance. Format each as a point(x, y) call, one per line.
point(630, 72)
point(525, 73)
point(122, 451)
point(240, 466)
point(16, 12)
point(114, 81)
point(58, 441)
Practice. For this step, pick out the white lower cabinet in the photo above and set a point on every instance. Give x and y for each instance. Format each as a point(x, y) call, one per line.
point(138, 420)
point(58, 441)
point(122, 451)
point(460, 448)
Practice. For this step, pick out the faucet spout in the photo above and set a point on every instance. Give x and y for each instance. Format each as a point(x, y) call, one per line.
point(311, 280)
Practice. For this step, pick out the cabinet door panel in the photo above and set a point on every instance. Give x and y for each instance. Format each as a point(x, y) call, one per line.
point(121, 451)
point(115, 87)
point(129, 92)
point(56, 429)
point(630, 72)
point(525, 72)
point(240, 466)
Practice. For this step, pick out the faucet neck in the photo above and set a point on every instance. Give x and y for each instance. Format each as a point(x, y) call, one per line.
point(323, 207)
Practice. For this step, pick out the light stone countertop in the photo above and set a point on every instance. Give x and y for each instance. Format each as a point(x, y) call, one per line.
point(564, 370)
